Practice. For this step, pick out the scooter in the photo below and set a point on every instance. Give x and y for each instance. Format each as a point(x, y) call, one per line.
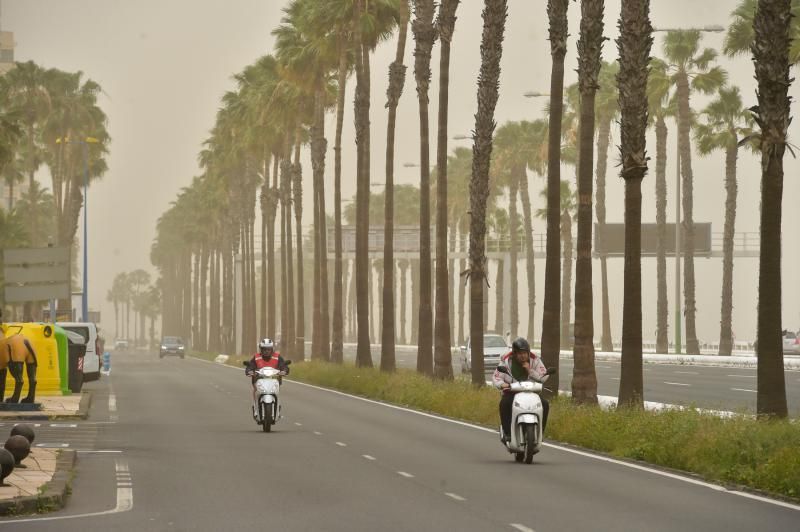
point(267, 408)
point(526, 418)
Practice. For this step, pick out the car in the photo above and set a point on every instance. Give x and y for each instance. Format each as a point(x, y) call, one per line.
point(121, 344)
point(494, 347)
point(172, 345)
point(91, 361)
point(791, 343)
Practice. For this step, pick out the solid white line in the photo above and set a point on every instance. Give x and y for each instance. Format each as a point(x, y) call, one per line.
point(743, 390)
point(368, 457)
point(404, 474)
point(112, 403)
point(630, 465)
point(521, 528)
point(63, 425)
point(124, 485)
point(676, 383)
point(124, 504)
point(341, 444)
point(87, 451)
point(455, 496)
point(744, 376)
point(317, 433)
point(298, 424)
point(687, 372)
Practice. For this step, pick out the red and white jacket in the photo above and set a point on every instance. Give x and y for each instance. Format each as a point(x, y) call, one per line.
point(537, 371)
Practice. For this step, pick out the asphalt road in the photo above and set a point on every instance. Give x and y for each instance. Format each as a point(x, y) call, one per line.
point(171, 446)
point(717, 388)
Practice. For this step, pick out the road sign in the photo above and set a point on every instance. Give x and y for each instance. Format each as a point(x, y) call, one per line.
point(36, 274)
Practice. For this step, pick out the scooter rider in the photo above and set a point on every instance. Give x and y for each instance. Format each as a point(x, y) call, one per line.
point(265, 358)
point(522, 364)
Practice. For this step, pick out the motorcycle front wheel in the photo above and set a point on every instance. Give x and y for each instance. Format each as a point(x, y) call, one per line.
point(266, 417)
point(530, 439)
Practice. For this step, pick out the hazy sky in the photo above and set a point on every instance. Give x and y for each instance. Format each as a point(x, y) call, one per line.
point(165, 64)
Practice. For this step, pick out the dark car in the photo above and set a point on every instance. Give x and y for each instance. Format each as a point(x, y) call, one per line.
point(172, 345)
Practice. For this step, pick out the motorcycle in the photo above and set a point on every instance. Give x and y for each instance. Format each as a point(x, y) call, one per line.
point(267, 408)
point(526, 418)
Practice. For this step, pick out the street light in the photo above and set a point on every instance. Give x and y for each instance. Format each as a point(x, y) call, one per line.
point(714, 28)
point(85, 292)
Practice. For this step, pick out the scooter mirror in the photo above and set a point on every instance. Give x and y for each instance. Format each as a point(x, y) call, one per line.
point(502, 369)
point(244, 363)
point(552, 371)
point(287, 362)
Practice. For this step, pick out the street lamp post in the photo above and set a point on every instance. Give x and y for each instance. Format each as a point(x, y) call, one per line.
point(678, 309)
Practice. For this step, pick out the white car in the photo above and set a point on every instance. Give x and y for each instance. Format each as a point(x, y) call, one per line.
point(494, 347)
point(791, 343)
point(91, 361)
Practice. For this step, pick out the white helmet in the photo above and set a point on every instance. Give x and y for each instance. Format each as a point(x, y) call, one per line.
point(266, 346)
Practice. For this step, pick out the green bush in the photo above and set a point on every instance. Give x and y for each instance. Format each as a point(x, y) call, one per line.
point(761, 455)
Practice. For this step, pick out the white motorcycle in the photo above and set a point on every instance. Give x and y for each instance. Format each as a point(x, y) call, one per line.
point(526, 418)
point(267, 407)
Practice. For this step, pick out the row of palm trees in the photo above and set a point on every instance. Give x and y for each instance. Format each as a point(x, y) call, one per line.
point(134, 290)
point(279, 107)
point(48, 118)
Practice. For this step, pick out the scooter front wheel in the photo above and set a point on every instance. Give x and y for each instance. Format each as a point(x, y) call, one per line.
point(519, 456)
point(266, 417)
point(530, 443)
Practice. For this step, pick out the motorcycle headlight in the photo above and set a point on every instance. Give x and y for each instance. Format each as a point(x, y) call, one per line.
point(180, 347)
point(163, 347)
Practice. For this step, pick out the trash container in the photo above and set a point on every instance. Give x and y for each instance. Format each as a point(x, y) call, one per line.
point(77, 351)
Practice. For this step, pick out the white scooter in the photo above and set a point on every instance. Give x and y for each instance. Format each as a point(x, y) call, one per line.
point(526, 418)
point(267, 407)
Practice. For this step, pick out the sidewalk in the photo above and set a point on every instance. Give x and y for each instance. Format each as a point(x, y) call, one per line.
point(75, 406)
point(42, 486)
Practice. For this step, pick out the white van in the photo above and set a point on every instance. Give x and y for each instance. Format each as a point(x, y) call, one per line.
point(91, 362)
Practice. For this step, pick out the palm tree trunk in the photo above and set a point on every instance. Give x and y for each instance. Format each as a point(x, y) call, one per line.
point(286, 180)
point(634, 46)
point(318, 149)
point(203, 330)
point(397, 76)
point(424, 37)
point(443, 364)
point(662, 342)
point(770, 55)
point(514, 254)
point(362, 102)
point(494, 23)
point(529, 255)
point(603, 141)
point(272, 215)
point(590, 44)
point(403, 301)
point(264, 331)
point(687, 200)
point(550, 347)
point(414, 300)
point(566, 279)
point(195, 338)
point(300, 323)
point(371, 302)
point(462, 295)
point(338, 275)
point(499, 303)
point(213, 307)
point(726, 334)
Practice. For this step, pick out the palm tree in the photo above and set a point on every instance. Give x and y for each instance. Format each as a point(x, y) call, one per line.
point(726, 122)
point(36, 211)
point(606, 112)
point(692, 71)
point(590, 46)
point(397, 77)
point(12, 175)
point(494, 23)
point(10, 133)
point(443, 364)
point(771, 58)
point(741, 33)
point(424, 37)
point(634, 45)
point(557, 15)
point(658, 85)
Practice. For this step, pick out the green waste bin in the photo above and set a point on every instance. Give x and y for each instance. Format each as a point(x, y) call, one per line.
point(62, 343)
point(77, 352)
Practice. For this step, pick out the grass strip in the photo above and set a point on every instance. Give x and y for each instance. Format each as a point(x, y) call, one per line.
point(762, 455)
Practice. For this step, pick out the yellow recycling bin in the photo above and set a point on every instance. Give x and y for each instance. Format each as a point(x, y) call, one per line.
point(43, 339)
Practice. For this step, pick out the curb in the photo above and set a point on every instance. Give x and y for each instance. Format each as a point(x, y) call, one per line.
point(54, 494)
point(82, 413)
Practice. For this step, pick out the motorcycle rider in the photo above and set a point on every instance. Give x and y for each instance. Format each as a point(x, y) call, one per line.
point(522, 364)
point(265, 358)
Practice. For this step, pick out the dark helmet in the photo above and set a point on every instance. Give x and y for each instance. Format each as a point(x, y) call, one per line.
point(521, 344)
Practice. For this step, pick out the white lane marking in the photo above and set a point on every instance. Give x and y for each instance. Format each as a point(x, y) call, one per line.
point(88, 451)
point(521, 528)
point(686, 373)
point(455, 496)
point(341, 444)
point(493, 432)
point(368, 457)
point(124, 503)
point(52, 445)
point(63, 425)
point(743, 376)
point(604, 367)
point(614, 378)
point(743, 390)
point(676, 383)
point(404, 474)
point(298, 424)
point(112, 403)
point(317, 433)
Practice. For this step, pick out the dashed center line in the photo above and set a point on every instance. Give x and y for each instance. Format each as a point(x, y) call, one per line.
point(318, 433)
point(522, 528)
point(298, 424)
point(112, 403)
point(368, 457)
point(614, 378)
point(743, 376)
point(341, 444)
point(404, 474)
point(455, 496)
point(687, 372)
point(676, 383)
point(743, 390)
